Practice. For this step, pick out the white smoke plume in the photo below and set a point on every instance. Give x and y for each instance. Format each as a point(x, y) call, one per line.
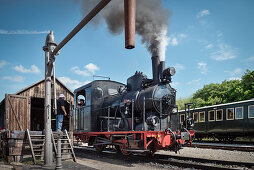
point(151, 22)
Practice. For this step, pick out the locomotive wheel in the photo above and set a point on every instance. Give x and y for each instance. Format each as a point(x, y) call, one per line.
point(99, 148)
point(121, 149)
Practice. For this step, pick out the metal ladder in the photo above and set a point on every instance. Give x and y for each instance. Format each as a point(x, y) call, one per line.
point(36, 143)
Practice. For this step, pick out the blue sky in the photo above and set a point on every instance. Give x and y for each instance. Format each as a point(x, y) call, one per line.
point(209, 41)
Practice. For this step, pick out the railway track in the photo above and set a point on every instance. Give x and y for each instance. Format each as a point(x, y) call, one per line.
point(237, 147)
point(169, 160)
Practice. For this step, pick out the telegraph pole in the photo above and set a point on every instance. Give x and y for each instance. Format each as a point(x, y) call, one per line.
point(49, 47)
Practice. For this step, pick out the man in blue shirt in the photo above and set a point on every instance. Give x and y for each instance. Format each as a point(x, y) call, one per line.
point(61, 112)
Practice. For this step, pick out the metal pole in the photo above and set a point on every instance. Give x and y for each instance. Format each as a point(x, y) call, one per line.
point(160, 112)
point(59, 154)
point(132, 115)
point(108, 117)
point(49, 60)
point(95, 11)
point(144, 113)
point(54, 87)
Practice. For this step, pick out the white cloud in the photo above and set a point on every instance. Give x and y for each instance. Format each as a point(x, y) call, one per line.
point(32, 69)
point(77, 71)
point(234, 78)
point(89, 69)
point(2, 63)
point(92, 68)
point(23, 32)
point(174, 84)
point(219, 36)
point(203, 13)
point(235, 72)
point(182, 35)
point(209, 46)
point(194, 82)
point(173, 40)
point(14, 78)
point(251, 58)
point(179, 67)
point(72, 84)
point(202, 67)
point(225, 52)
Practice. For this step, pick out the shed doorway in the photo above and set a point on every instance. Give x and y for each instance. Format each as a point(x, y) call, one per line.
point(37, 115)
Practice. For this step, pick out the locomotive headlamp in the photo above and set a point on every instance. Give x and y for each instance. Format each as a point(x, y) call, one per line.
point(172, 71)
point(169, 71)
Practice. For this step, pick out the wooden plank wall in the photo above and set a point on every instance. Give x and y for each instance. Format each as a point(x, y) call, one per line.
point(39, 91)
point(17, 112)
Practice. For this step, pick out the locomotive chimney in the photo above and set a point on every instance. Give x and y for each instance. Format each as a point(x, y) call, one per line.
point(129, 19)
point(161, 68)
point(155, 67)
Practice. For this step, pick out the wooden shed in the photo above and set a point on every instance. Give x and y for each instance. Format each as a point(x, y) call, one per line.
point(25, 109)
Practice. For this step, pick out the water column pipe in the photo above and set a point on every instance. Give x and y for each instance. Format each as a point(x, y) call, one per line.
point(50, 45)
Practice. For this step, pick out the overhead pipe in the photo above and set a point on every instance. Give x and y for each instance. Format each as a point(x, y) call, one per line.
point(129, 19)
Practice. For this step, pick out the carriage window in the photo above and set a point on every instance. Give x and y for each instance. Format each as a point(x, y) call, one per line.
point(230, 114)
point(239, 113)
point(211, 115)
point(219, 115)
point(195, 117)
point(251, 111)
point(182, 118)
point(112, 91)
point(201, 116)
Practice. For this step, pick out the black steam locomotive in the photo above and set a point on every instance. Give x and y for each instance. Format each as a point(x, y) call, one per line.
point(131, 117)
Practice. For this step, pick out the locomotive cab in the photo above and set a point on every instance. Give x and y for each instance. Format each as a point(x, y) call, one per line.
point(86, 118)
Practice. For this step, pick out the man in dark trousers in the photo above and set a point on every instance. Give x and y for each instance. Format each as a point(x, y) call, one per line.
point(61, 112)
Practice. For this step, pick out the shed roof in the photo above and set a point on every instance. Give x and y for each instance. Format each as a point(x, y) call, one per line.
point(35, 84)
point(38, 82)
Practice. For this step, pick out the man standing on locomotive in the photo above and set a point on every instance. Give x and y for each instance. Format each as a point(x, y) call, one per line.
point(61, 112)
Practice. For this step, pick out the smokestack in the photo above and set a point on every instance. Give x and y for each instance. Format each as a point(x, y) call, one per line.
point(161, 68)
point(155, 67)
point(129, 18)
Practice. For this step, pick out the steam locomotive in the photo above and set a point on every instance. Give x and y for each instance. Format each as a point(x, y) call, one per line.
point(132, 117)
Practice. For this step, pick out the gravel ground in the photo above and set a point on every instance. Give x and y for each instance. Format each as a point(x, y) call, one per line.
point(215, 154)
point(92, 160)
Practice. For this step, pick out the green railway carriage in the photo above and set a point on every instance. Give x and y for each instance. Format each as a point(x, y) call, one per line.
point(223, 121)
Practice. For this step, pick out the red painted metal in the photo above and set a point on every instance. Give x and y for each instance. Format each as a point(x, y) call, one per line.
point(161, 140)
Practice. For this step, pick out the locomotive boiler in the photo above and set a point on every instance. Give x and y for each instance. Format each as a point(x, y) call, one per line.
point(131, 117)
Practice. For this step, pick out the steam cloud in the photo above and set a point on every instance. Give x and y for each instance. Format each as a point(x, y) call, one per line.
point(151, 22)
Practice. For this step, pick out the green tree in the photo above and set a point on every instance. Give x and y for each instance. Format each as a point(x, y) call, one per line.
point(225, 92)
